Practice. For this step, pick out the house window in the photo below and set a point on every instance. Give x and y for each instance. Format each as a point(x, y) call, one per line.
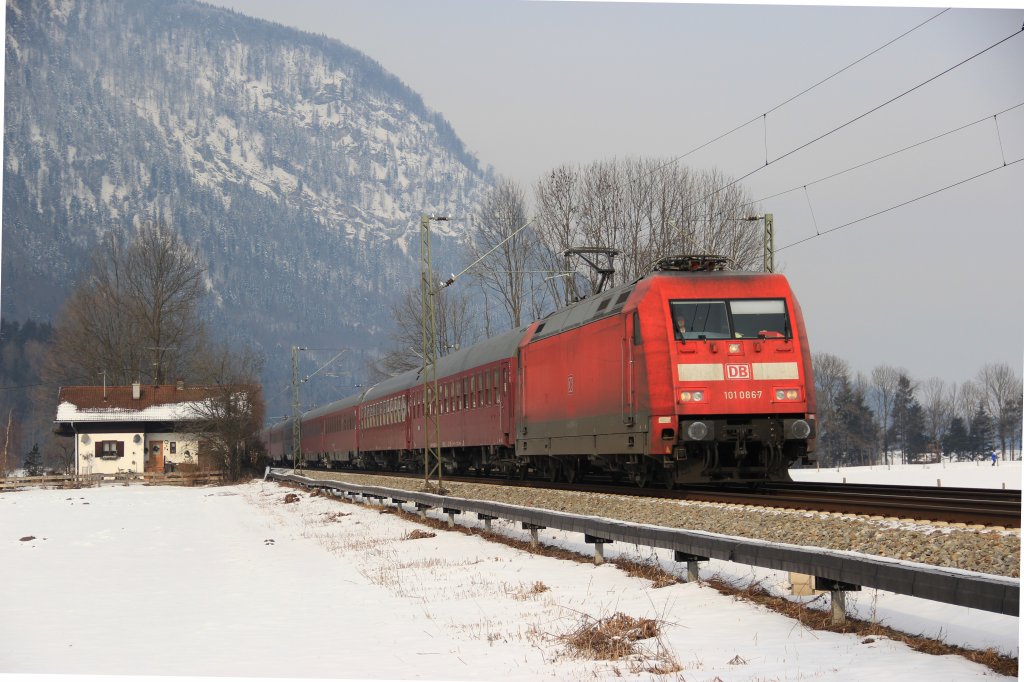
point(109, 449)
point(174, 447)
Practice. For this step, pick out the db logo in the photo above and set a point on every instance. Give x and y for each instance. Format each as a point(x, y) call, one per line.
point(737, 371)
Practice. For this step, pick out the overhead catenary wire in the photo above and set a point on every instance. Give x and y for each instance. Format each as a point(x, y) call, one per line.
point(451, 280)
point(900, 205)
point(764, 116)
point(856, 118)
point(322, 367)
point(886, 156)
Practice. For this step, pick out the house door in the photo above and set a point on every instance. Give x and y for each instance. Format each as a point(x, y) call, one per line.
point(155, 457)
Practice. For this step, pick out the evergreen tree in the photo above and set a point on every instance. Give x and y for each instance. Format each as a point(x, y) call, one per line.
point(907, 431)
point(857, 425)
point(982, 434)
point(34, 461)
point(957, 440)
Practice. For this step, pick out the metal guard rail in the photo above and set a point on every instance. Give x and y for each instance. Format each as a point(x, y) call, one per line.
point(998, 594)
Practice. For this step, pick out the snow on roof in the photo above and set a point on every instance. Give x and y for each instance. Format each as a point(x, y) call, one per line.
point(119, 404)
point(68, 412)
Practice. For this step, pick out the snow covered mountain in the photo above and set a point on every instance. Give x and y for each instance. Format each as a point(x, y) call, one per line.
point(296, 164)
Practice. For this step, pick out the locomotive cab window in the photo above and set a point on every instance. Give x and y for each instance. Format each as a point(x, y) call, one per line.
point(765, 317)
point(700, 320)
point(737, 319)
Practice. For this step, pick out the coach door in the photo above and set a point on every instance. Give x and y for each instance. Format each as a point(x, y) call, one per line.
point(630, 343)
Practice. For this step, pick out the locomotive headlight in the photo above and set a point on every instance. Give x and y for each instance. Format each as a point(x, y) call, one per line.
point(697, 431)
point(735, 348)
point(791, 394)
point(691, 396)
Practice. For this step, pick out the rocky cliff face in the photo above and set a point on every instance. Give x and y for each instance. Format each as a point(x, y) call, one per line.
point(297, 165)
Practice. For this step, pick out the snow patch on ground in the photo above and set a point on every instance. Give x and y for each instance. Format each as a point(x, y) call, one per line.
point(232, 581)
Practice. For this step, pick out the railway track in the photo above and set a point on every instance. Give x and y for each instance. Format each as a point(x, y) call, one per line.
point(971, 506)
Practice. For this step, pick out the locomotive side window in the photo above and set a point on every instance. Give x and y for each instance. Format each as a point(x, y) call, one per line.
point(766, 317)
point(700, 319)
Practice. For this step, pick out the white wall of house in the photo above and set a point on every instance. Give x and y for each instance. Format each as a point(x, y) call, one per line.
point(132, 459)
point(178, 447)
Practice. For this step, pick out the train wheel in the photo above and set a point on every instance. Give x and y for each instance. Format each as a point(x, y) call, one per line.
point(552, 469)
point(574, 470)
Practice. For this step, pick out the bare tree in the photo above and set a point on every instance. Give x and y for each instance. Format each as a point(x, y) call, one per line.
point(455, 329)
point(645, 209)
point(11, 443)
point(229, 420)
point(134, 314)
point(884, 382)
point(1000, 387)
point(936, 401)
point(558, 228)
point(162, 286)
point(829, 371)
point(830, 375)
point(968, 400)
point(508, 252)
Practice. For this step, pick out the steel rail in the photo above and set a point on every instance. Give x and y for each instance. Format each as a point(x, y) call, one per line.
point(970, 506)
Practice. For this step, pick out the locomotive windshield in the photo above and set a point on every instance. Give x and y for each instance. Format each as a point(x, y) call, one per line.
point(736, 319)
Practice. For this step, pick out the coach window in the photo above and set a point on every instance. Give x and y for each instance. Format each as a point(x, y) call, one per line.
point(472, 391)
point(764, 317)
point(637, 339)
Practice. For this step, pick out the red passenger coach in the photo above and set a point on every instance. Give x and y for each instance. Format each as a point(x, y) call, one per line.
point(689, 374)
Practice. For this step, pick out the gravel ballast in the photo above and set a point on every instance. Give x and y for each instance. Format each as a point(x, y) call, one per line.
point(985, 550)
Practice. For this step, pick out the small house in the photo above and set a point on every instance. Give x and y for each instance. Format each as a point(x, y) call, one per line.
point(137, 428)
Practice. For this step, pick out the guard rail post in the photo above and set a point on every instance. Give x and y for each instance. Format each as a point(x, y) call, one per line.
point(692, 564)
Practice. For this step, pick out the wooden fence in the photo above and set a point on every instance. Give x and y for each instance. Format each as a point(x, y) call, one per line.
point(126, 478)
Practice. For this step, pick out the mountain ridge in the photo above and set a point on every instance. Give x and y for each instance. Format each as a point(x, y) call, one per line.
point(296, 164)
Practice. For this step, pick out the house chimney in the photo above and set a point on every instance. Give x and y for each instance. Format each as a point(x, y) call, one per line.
point(136, 390)
point(179, 385)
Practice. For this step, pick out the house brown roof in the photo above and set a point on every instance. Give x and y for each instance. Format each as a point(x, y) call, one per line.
point(120, 397)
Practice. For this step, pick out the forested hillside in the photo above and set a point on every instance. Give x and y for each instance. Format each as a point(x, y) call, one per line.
point(297, 166)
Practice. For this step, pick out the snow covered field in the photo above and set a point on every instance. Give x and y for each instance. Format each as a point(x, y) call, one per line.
point(948, 474)
point(232, 581)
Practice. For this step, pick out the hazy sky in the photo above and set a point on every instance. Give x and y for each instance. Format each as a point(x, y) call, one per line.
point(934, 287)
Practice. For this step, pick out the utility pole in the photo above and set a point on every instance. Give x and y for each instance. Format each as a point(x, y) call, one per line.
point(769, 239)
point(432, 469)
point(7, 440)
point(296, 416)
point(769, 243)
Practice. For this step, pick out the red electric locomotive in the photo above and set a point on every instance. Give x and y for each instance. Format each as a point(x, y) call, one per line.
point(692, 373)
point(689, 374)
